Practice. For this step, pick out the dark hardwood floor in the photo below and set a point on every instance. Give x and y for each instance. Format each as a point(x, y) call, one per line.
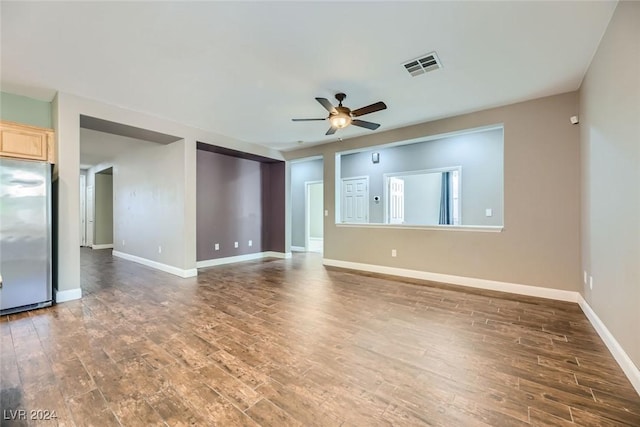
point(290, 343)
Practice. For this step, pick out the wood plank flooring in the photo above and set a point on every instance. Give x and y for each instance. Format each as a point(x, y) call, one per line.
point(291, 343)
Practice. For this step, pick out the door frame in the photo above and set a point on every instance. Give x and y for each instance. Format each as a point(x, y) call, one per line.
point(307, 211)
point(83, 210)
point(91, 206)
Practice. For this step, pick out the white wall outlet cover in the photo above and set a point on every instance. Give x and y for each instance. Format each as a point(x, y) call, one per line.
point(235, 244)
point(216, 246)
point(250, 242)
point(590, 282)
point(159, 249)
point(326, 212)
point(488, 212)
point(394, 252)
point(584, 276)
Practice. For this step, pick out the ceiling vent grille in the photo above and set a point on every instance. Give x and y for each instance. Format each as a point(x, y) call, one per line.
point(428, 62)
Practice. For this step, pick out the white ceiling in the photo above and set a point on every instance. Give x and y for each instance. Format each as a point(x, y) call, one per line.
point(244, 69)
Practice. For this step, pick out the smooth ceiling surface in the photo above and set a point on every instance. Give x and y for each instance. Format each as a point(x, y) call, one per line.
point(244, 69)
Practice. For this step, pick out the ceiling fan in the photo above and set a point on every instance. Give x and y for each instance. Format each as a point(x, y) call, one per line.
point(340, 117)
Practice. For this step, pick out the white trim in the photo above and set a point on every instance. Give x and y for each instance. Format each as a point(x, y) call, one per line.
point(103, 246)
point(628, 367)
point(480, 228)
point(192, 272)
point(514, 288)
point(242, 258)
point(307, 210)
point(617, 351)
point(68, 295)
point(298, 249)
point(273, 254)
point(229, 260)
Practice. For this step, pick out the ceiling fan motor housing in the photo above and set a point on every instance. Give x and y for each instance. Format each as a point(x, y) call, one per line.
point(341, 117)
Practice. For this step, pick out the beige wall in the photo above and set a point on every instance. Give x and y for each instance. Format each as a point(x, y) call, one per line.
point(540, 242)
point(149, 203)
point(610, 146)
point(103, 222)
point(66, 113)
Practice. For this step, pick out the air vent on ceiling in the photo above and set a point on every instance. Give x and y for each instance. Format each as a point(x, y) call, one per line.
point(428, 62)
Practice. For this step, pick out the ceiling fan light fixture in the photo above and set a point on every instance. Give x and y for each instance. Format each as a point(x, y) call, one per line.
point(340, 120)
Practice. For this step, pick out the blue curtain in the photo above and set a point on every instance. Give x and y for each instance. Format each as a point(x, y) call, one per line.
point(445, 199)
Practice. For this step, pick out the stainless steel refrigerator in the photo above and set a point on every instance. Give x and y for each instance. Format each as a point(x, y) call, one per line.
point(25, 235)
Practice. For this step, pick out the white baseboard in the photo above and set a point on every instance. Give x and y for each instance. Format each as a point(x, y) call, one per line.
point(628, 367)
point(68, 295)
point(298, 249)
point(241, 258)
point(157, 265)
point(103, 246)
point(273, 254)
point(514, 288)
point(229, 260)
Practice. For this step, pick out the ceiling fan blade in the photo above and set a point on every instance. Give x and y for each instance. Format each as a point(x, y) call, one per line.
point(365, 124)
point(308, 120)
point(369, 109)
point(331, 130)
point(327, 105)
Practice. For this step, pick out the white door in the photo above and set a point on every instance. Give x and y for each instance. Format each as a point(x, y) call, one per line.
point(355, 200)
point(396, 200)
point(83, 211)
point(90, 215)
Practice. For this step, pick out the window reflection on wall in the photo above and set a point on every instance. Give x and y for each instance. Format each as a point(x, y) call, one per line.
point(452, 180)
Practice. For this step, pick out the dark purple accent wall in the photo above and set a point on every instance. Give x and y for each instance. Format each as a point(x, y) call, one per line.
point(238, 200)
point(273, 209)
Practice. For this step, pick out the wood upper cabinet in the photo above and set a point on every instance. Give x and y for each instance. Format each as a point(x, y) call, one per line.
point(26, 142)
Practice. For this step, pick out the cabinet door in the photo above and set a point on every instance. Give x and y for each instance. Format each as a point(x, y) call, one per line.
point(25, 142)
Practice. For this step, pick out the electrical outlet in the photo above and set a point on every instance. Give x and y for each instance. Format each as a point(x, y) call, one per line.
point(216, 246)
point(584, 276)
point(326, 212)
point(159, 249)
point(235, 244)
point(394, 253)
point(590, 282)
point(250, 243)
point(123, 243)
point(488, 212)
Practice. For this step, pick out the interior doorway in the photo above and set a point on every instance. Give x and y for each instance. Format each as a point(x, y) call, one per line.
point(307, 204)
point(103, 210)
point(314, 221)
